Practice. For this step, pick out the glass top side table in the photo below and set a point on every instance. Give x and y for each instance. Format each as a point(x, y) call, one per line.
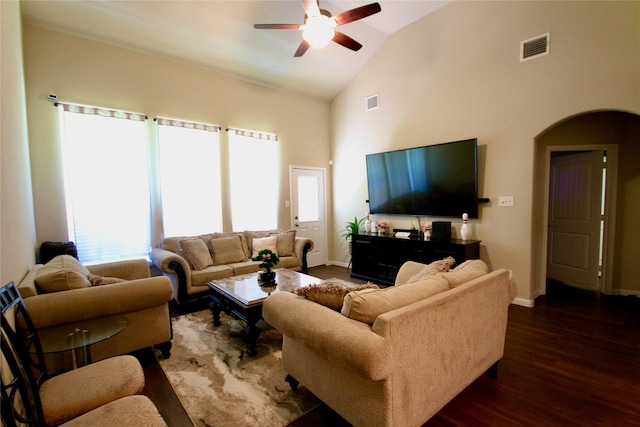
point(78, 337)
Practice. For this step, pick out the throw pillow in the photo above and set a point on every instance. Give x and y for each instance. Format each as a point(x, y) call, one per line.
point(285, 243)
point(243, 239)
point(366, 306)
point(331, 292)
point(197, 253)
point(264, 243)
point(439, 266)
point(100, 281)
point(62, 273)
point(250, 235)
point(465, 272)
point(227, 250)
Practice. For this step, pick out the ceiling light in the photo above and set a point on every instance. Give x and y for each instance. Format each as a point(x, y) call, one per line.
point(318, 31)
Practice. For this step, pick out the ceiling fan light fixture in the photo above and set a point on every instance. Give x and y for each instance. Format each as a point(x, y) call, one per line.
point(319, 30)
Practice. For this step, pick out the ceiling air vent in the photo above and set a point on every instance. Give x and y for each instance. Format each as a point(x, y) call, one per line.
point(534, 47)
point(373, 102)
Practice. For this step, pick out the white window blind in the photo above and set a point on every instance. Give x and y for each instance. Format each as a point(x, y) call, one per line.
point(254, 180)
point(106, 183)
point(190, 184)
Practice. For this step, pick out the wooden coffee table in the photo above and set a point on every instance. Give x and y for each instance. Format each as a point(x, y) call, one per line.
point(242, 297)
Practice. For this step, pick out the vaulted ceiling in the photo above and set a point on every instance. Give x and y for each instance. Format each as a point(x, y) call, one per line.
point(219, 35)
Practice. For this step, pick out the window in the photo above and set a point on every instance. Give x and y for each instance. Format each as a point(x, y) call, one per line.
point(189, 178)
point(254, 188)
point(106, 183)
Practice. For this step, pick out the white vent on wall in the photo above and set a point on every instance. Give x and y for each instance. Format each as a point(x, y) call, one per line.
point(373, 102)
point(534, 47)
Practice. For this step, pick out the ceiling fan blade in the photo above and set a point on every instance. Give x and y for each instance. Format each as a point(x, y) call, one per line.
point(357, 13)
point(276, 26)
point(346, 41)
point(311, 7)
point(304, 46)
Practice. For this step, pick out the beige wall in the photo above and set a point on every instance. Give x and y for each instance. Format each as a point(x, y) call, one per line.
point(456, 74)
point(17, 232)
point(83, 71)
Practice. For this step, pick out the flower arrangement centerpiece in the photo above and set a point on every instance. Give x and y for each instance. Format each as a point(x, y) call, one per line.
point(382, 227)
point(426, 229)
point(268, 259)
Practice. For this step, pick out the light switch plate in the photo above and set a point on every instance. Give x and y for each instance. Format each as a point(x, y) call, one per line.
point(505, 201)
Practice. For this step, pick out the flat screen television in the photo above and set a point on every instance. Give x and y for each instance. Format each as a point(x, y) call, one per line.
point(435, 180)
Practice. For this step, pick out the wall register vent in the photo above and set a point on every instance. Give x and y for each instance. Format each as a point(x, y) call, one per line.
point(534, 47)
point(373, 102)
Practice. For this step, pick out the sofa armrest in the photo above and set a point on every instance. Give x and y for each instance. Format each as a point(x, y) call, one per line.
point(167, 260)
point(128, 270)
point(302, 246)
point(62, 307)
point(335, 337)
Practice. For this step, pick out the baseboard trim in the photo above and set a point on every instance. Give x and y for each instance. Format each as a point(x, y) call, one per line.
point(523, 302)
point(625, 292)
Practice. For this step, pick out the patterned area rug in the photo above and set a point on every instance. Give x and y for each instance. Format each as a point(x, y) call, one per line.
point(220, 385)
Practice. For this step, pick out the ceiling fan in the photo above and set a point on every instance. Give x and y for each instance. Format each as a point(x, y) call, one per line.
point(319, 26)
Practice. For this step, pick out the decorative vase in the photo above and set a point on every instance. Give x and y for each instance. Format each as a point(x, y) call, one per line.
point(465, 230)
point(367, 225)
point(382, 231)
point(427, 235)
point(267, 277)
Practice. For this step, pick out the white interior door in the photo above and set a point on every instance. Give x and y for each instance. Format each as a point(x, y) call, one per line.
point(308, 210)
point(575, 218)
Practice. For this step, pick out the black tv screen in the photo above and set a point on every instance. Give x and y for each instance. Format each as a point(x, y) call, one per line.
point(435, 180)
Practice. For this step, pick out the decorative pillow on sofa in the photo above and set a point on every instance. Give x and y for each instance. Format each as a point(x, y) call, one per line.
point(62, 273)
point(196, 252)
point(439, 266)
point(227, 250)
point(100, 280)
point(465, 272)
point(264, 243)
point(366, 306)
point(243, 239)
point(285, 243)
point(331, 292)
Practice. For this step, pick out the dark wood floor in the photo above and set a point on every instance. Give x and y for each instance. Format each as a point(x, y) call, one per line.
point(572, 360)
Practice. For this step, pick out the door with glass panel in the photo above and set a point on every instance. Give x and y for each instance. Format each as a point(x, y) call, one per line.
point(308, 210)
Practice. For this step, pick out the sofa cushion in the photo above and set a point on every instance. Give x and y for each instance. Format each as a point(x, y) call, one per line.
point(365, 306)
point(227, 250)
point(468, 270)
point(196, 253)
point(263, 243)
point(439, 266)
point(243, 238)
point(257, 235)
point(331, 292)
point(97, 280)
point(62, 273)
point(285, 243)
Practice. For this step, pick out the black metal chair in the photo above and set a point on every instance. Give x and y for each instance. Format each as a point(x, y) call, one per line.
point(22, 350)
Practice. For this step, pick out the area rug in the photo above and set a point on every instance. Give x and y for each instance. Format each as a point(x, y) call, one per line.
point(220, 385)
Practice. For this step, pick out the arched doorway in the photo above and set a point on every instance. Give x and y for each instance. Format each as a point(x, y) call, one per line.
point(617, 133)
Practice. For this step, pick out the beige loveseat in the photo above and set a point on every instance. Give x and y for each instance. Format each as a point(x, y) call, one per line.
point(192, 261)
point(63, 291)
point(414, 348)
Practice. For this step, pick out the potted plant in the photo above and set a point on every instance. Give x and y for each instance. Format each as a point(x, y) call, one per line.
point(268, 260)
point(352, 228)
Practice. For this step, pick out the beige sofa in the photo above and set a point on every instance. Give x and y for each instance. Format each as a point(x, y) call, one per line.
point(60, 292)
point(192, 261)
point(416, 345)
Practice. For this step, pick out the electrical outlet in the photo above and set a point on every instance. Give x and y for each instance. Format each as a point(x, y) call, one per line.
point(505, 201)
